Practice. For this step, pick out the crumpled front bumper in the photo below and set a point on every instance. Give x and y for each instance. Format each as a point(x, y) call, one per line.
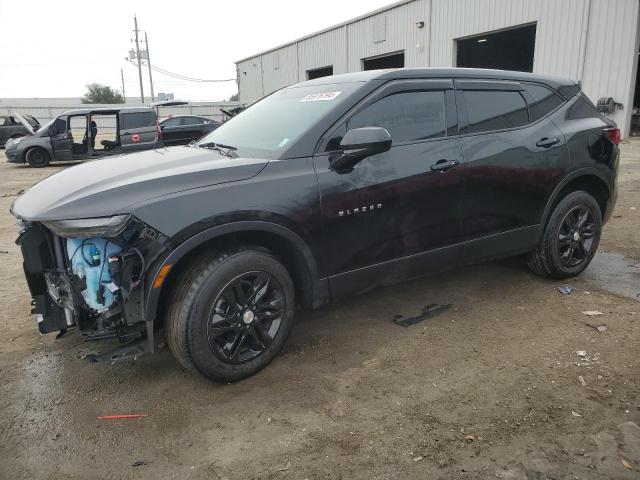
point(105, 299)
point(39, 265)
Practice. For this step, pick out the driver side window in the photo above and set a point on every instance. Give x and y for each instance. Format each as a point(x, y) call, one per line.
point(59, 126)
point(407, 116)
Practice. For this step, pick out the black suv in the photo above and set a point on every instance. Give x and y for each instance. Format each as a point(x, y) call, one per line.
point(322, 189)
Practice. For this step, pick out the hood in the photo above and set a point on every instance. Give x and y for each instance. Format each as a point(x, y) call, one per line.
point(23, 121)
point(105, 187)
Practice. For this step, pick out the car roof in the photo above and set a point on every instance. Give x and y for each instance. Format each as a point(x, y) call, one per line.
point(412, 73)
point(179, 116)
point(103, 110)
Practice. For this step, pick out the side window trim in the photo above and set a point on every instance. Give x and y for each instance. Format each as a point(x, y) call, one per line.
point(385, 90)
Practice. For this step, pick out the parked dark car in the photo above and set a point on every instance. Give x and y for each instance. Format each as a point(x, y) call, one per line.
point(323, 189)
point(184, 129)
point(12, 126)
point(88, 133)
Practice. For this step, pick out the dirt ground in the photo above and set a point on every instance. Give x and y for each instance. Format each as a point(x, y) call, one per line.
point(492, 388)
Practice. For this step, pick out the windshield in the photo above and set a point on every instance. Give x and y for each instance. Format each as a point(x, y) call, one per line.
point(268, 127)
point(46, 125)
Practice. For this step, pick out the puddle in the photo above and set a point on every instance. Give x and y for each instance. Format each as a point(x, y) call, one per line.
point(615, 273)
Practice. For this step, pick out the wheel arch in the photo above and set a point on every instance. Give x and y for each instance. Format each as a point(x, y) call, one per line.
point(28, 148)
point(284, 243)
point(590, 180)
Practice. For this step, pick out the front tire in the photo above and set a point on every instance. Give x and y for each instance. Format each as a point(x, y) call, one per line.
point(230, 314)
point(570, 239)
point(38, 157)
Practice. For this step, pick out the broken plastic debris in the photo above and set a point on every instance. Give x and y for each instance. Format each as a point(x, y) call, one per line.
point(592, 313)
point(417, 459)
point(429, 311)
point(138, 463)
point(565, 289)
point(282, 469)
point(627, 465)
point(575, 414)
point(122, 416)
point(602, 328)
point(581, 380)
point(581, 353)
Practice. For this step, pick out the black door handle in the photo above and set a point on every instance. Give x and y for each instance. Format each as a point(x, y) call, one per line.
point(547, 142)
point(444, 165)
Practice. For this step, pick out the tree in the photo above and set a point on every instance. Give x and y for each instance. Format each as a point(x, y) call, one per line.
point(234, 97)
point(97, 93)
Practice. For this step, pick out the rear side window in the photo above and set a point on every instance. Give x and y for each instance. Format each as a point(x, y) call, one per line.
point(5, 121)
point(407, 116)
point(171, 122)
point(192, 121)
point(583, 108)
point(545, 100)
point(137, 120)
point(494, 110)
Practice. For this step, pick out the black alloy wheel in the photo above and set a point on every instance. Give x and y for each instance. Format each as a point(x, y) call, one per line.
point(576, 237)
point(230, 312)
point(570, 238)
point(245, 317)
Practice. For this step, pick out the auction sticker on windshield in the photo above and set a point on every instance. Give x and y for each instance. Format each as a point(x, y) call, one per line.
point(320, 97)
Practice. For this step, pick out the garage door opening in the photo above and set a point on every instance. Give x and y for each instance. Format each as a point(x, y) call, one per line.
point(393, 60)
point(505, 50)
point(634, 130)
point(320, 72)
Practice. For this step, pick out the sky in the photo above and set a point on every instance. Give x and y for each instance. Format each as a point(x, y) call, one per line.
point(54, 48)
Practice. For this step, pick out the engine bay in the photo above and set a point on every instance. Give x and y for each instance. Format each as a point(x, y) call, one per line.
point(94, 283)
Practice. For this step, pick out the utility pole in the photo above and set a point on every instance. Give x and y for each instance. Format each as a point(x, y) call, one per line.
point(146, 42)
point(135, 21)
point(124, 95)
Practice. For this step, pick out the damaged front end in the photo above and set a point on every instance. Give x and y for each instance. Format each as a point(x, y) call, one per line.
point(91, 274)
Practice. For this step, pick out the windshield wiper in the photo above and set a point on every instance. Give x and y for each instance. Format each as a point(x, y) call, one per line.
point(225, 150)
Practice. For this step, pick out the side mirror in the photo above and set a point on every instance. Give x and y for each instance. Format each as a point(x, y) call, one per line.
point(360, 143)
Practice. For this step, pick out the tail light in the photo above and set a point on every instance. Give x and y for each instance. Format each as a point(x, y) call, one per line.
point(159, 129)
point(613, 134)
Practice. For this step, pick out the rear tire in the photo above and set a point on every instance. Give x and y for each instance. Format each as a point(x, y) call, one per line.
point(230, 314)
point(570, 239)
point(38, 157)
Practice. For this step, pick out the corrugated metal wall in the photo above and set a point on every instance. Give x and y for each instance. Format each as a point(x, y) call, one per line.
point(594, 41)
point(328, 48)
point(611, 58)
point(402, 34)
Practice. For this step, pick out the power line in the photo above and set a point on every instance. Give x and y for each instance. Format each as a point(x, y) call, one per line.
point(184, 77)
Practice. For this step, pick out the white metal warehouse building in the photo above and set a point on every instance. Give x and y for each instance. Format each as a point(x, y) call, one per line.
point(593, 41)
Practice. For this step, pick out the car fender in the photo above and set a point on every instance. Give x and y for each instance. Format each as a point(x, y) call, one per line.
point(581, 172)
point(320, 287)
point(32, 141)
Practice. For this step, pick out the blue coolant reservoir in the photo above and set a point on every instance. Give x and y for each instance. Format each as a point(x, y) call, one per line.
point(88, 260)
